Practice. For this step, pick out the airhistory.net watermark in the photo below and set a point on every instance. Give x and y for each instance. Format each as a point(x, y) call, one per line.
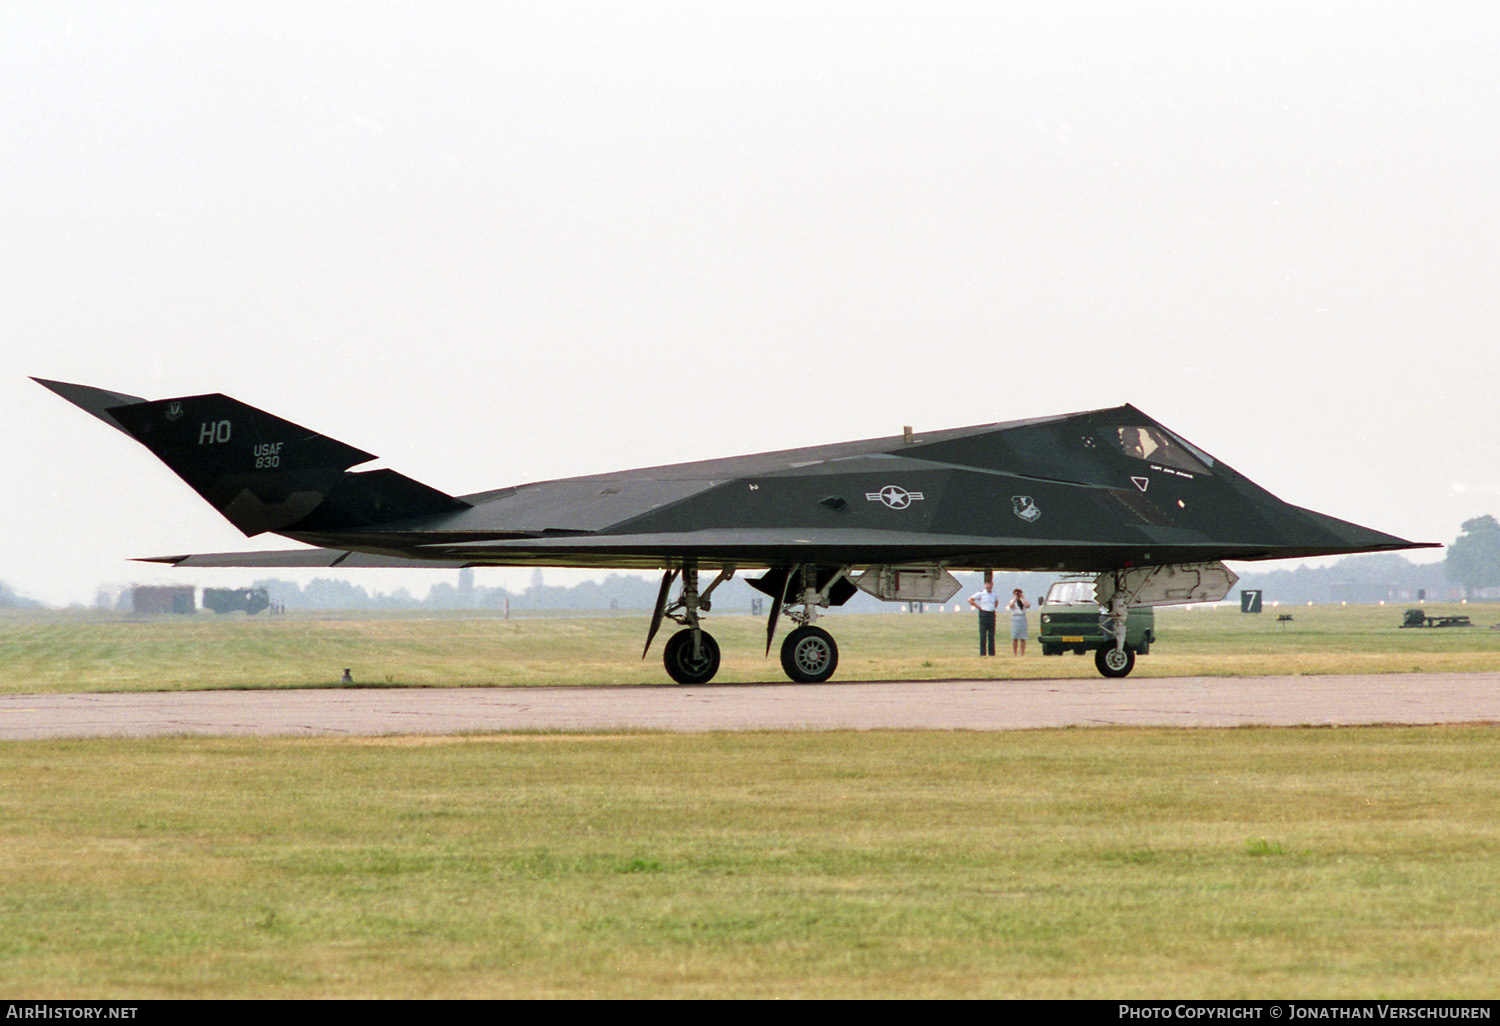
point(40, 1010)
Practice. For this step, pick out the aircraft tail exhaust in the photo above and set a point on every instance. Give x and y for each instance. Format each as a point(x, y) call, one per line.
point(261, 472)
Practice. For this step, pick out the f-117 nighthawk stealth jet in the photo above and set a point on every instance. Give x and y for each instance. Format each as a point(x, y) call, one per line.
point(1109, 492)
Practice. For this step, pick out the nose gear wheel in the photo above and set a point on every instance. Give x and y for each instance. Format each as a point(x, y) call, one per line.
point(1115, 662)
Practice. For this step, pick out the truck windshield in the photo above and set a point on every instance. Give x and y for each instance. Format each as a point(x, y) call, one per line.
point(1071, 593)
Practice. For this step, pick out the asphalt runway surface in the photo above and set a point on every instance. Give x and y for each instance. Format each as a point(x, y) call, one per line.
point(1407, 698)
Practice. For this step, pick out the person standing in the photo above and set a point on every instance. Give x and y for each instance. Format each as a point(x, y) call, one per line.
point(986, 602)
point(1018, 606)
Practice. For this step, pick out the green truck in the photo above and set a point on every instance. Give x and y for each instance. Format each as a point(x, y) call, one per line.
point(229, 600)
point(1073, 622)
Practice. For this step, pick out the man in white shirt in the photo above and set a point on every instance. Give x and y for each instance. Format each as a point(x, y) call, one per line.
point(986, 602)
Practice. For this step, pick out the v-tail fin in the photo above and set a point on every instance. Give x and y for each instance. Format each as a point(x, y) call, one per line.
point(261, 472)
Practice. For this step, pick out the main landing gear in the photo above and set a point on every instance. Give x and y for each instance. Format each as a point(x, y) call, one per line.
point(691, 655)
point(809, 654)
point(690, 659)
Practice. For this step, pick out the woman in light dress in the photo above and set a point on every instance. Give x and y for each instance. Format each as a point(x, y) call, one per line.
point(1018, 606)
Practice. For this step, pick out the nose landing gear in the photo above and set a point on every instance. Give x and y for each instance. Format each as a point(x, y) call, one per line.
point(1114, 661)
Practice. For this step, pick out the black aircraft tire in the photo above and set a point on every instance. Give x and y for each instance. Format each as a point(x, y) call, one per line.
point(809, 655)
point(679, 661)
point(1112, 662)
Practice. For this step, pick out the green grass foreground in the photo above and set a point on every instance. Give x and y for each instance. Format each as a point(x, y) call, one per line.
point(52, 652)
point(1114, 863)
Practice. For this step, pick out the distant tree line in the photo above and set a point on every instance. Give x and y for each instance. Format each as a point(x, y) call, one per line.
point(1470, 569)
point(10, 600)
point(617, 591)
point(1379, 577)
point(1473, 560)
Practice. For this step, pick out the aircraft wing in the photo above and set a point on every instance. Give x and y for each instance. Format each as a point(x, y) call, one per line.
point(748, 549)
point(306, 558)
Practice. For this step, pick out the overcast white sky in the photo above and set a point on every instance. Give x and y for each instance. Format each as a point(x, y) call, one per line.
point(498, 242)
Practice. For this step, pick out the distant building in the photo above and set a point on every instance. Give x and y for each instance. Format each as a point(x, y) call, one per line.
point(149, 600)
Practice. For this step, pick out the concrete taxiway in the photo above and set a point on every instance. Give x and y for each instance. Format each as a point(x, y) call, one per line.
point(1345, 700)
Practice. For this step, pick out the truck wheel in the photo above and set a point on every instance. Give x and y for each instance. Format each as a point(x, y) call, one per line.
point(1114, 662)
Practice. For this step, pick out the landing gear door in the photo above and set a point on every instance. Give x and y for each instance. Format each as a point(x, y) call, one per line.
point(1165, 585)
point(908, 583)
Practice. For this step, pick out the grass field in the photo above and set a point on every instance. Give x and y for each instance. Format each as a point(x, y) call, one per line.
point(94, 652)
point(1086, 863)
point(1105, 863)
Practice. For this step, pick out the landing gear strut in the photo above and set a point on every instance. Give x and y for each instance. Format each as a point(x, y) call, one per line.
point(809, 654)
point(1115, 658)
point(691, 655)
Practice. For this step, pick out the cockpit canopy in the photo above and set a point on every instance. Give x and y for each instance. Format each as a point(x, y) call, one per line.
point(1163, 448)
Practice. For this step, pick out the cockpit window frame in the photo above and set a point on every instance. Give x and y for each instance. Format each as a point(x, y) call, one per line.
point(1151, 443)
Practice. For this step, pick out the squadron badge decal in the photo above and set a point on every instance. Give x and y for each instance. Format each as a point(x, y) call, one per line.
point(1025, 508)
